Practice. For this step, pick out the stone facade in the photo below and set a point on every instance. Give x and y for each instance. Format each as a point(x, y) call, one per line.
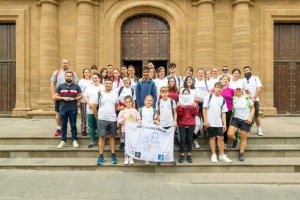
point(202, 33)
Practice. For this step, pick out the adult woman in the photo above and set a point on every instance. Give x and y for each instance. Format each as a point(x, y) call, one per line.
point(152, 73)
point(117, 82)
point(227, 93)
point(83, 83)
point(189, 72)
point(124, 71)
point(131, 75)
point(236, 82)
point(214, 78)
point(90, 96)
point(189, 84)
point(201, 86)
point(173, 89)
point(103, 75)
point(243, 112)
point(161, 80)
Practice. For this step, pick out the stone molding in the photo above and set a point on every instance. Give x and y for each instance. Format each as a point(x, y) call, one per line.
point(236, 2)
point(92, 2)
point(199, 2)
point(54, 2)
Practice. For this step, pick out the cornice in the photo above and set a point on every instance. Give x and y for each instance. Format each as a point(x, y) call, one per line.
point(41, 2)
point(199, 2)
point(236, 2)
point(92, 2)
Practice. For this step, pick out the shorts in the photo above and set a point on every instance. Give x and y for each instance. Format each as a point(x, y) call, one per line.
point(215, 131)
point(106, 128)
point(200, 106)
point(256, 106)
point(240, 124)
point(57, 104)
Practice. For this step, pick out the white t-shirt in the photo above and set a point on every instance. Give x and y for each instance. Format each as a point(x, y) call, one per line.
point(92, 93)
point(165, 110)
point(83, 84)
point(125, 92)
point(133, 84)
point(211, 83)
point(179, 81)
point(160, 83)
point(237, 84)
point(117, 86)
point(240, 107)
point(214, 111)
point(107, 109)
point(202, 88)
point(252, 85)
point(147, 115)
point(193, 92)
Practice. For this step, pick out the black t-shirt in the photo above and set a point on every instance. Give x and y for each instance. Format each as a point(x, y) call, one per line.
point(65, 90)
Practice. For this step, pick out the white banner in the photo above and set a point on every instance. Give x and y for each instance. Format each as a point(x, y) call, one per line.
point(186, 99)
point(149, 142)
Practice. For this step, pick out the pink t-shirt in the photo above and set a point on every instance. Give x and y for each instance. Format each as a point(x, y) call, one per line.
point(228, 93)
point(129, 115)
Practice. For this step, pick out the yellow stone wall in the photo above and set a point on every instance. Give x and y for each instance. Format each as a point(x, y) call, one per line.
point(202, 33)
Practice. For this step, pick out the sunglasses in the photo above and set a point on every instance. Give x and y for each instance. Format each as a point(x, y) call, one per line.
point(225, 70)
point(238, 89)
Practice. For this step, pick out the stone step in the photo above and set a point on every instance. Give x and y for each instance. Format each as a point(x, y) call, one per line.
point(50, 151)
point(51, 140)
point(200, 165)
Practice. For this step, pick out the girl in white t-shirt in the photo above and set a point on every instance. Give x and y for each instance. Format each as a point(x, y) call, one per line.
point(236, 82)
point(83, 84)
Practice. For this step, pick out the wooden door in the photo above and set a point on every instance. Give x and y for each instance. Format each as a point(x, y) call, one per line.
point(287, 68)
point(7, 68)
point(145, 38)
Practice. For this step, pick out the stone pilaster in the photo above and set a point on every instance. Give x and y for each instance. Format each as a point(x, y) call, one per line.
point(205, 42)
point(85, 43)
point(49, 49)
point(241, 46)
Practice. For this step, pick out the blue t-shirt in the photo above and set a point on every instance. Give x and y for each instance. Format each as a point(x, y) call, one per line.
point(65, 90)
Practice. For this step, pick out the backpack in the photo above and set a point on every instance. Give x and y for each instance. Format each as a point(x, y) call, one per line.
point(171, 102)
point(141, 112)
point(210, 97)
point(247, 102)
point(121, 89)
point(99, 99)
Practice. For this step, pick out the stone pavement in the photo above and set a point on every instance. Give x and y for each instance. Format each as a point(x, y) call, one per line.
point(22, 184)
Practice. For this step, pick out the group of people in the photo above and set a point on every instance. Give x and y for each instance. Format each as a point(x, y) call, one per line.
point(225, 104)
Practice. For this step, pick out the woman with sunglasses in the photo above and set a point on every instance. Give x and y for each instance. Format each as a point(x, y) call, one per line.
point(242, 118)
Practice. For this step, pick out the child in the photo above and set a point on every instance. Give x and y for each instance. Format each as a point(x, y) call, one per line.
point(166, 112)
point(214, 114)
point(129, 114)
point(186, 122)
point(148, 114)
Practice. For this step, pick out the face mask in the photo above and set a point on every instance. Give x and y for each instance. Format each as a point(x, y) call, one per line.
point(68, 80)
point(248, 75)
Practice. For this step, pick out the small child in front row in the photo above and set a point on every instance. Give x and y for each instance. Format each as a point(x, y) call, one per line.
point(186, 122)
point(166, 112)
point(129, 114)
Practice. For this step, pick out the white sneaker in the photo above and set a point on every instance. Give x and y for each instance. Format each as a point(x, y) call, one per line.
point(62, 144)
point(224, 158)
point(75, 144)
point(214, 158)
point(196, 144)
point(147, 163)
point(126, 161)
point(259, 131)
point(131, 162)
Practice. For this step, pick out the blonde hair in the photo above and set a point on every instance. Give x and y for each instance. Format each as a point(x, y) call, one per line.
point(148, 96)
point(164, 89)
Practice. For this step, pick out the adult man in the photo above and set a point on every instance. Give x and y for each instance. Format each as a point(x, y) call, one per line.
point(110, 70)
point(150, 65)
point(68, 94)
point(253, 87)
point(58, 77)
point(172, 71)
point(225, 71)
point(145, 87)
point(94, 69)
point(107, 102)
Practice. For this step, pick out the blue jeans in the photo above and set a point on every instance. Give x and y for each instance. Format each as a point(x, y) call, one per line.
point(66, 115)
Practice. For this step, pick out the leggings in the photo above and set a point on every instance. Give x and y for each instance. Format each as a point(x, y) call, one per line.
point(83, 116)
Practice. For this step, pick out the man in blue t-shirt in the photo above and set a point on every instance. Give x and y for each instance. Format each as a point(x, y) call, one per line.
point(68, 94)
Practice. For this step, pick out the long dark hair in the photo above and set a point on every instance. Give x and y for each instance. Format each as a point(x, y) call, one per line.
point(185, 80)
point(101, 77)
point(174, 88)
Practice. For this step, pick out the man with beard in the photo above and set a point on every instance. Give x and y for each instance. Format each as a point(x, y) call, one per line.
point(253, 87)
point(107, 103)
point(68, 94)
point(58, 77)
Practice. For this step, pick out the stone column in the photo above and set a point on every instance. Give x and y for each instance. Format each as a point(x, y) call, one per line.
point(85, 48)
point(49, 50)
point(205, 42)
point(241, 46)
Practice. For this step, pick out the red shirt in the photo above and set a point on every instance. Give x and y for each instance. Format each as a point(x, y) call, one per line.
point(186, 115)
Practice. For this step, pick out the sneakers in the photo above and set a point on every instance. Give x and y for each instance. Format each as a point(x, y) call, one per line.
point(122, 145)
point(173, 163)
point(75, 144)
point(259, 131)
point(57, 133)
point(214, 158)
point(131, 161)
point(235, 144)
point(62, 144)
point(196, 144)
point(189, 159)
point(224, 158)
point(181, 159)
point(241, 157)
point(83, 133)
point(147, 162)
point(100, 160)
point(92, 144)
point(126, 161)
point(113, 159)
